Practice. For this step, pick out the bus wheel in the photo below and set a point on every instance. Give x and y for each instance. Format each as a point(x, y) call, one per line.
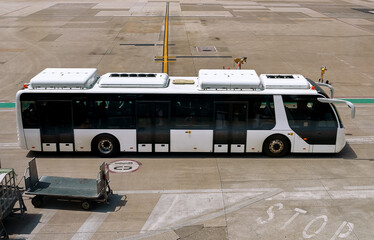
point(105, 145)
point(276, 146)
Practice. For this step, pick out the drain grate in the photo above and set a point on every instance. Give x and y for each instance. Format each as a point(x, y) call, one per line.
point(206, 49)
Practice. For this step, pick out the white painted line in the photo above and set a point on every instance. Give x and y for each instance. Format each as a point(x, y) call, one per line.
point(354, 194)
point(321, 195)
point(359, 188)
point(46, 216)
point(9, 145)
point(172, 208)
point(195, 191)
point(308, 195)
point(93, 222)
point(312, 189)
point(162, 210)
point(6, 110)
point(90, 226)
point(360, 140)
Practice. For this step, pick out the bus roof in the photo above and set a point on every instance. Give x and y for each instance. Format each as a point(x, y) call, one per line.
point(209, 81)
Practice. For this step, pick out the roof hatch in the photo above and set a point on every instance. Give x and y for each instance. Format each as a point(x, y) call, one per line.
point(284, 81)
point(228, 79)
point(134, 80)
point(66, 78)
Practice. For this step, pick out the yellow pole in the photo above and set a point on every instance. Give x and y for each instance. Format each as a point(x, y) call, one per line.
point(165, 63)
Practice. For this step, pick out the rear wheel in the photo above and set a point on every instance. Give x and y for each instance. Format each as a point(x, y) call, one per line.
point(86, 205)
point(37, 201)
point(276, 146)
point(105, 145)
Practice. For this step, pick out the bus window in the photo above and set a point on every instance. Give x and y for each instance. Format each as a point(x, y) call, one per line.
point(113, 114)
point(239, 115)
point(261, 114)
point(222, 116)
point(325, 117)
point(29, 114)
point(193, 113)
point(153, 124)
point(120, 114)
point(83, 114)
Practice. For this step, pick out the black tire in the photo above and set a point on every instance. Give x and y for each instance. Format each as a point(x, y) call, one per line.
point(276, 146)
point(105, 145)
point(37, 201)
point(86, 205)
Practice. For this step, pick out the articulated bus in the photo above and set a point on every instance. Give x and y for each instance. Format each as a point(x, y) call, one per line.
point(219, 111)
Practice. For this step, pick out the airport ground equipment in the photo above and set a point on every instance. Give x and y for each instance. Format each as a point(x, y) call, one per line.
point(220, 111)
point(9, 195)
point(86, 191)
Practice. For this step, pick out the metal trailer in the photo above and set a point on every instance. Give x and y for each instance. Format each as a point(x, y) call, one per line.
point(9, 195)
point(83, 190)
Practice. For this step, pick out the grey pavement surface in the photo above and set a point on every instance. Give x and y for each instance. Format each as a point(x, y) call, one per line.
point(203, 196)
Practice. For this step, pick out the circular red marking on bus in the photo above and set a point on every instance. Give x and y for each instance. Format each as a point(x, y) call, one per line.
point(124, 166)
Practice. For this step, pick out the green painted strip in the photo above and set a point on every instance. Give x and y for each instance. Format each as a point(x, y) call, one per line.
point(7, 104)
point(359, 100)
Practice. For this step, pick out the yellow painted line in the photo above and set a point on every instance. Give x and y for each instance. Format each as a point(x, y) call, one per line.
point(167, 56)
point(162, 61)
point(166, 39)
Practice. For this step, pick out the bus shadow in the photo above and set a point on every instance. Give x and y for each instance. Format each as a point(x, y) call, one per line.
point(32, 154)
point(346, 153)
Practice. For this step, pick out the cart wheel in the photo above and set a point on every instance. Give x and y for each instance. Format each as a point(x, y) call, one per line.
point(86, 205)
point(37, 201)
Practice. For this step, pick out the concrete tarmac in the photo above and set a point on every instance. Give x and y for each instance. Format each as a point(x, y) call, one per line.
point(201, 196)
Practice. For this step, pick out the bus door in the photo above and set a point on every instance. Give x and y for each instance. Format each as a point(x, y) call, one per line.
point(313, 121)
point(56, 130)
point(230, 126)
point(153, 126)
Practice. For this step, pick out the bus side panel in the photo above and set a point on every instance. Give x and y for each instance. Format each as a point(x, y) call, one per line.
point(300, 146)
point(84, 137)
point(32, 137)
point(340, 140)
point(256, 139)
point(323, 148)
point(191, 140)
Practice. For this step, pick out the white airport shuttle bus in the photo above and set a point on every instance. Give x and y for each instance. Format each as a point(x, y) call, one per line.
point(220, 111)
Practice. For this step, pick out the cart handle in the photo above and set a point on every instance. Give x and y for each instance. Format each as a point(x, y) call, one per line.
point(27, 179)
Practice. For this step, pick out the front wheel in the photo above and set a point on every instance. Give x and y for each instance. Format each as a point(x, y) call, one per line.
point(276, 146)
point(105, 145)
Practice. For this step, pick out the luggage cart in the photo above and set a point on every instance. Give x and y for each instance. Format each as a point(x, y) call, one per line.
point(86, 191)
point(9, 195)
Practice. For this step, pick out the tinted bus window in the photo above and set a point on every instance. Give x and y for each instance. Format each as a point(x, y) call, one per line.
point(193, 113)
point(261, 115)
point(29, 114)
point(111, 114)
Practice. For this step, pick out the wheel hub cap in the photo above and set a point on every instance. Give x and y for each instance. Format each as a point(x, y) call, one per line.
point(276, 146)
point(105, 146)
